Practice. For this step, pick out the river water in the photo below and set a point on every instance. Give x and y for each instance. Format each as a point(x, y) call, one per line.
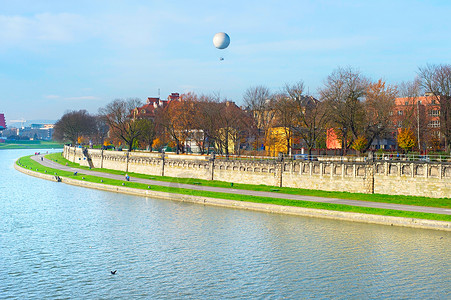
point(59, 241)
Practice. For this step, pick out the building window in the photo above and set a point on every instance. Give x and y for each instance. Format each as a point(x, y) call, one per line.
point(434, 124)
point(400, 112)
point(406, 103)
point(434, 113)
point(390, 113)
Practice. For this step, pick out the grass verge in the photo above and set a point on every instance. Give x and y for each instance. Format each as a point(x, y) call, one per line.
point(28, 163)
point(395, 199)
point(30, 145)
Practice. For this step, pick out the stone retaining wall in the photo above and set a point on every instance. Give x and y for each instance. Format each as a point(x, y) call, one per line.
point(388, 177)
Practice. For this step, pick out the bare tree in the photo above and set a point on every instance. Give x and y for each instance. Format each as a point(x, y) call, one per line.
point(310, 115)
point(148, 132)
point(231, 122)
point(342, 92)
point(176, 120)
point(379, 103)
point(206, 120)
point(101, 130)
point(259, 103)
point(119, 116)
point(74, 124)
point(411, 116)
point(285, 108)
point(436, 79)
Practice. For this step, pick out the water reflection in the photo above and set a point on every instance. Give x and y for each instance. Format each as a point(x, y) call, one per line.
point(61, 241)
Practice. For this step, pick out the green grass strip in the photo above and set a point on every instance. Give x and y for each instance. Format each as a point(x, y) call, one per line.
point(394, 199)
point(28, 163)
point(30, 145)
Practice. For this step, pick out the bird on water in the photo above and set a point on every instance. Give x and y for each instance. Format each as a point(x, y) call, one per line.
point(113, 272)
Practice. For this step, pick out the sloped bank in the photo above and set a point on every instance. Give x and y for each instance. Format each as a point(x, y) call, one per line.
point(271, 208)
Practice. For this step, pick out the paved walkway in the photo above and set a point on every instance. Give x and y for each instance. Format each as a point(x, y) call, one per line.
point(424, 209)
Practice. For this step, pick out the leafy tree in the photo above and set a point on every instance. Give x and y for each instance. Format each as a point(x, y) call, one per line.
point(359, 144)
point(406, 139)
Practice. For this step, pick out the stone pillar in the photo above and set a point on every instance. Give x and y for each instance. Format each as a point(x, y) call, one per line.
point(162, 162)
point(212, 166)
point(126, 161)
point(101, 159)
point(369, 178)
point(369, 174)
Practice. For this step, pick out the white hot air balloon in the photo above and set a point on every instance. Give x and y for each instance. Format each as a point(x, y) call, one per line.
point(221, 40)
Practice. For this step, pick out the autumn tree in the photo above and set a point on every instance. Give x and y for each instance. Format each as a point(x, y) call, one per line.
point(359, 144)
point(342, 93)
point(309, 115)
point(73, 125)
point(406, 139)
point(436, 79)
point(123, 124)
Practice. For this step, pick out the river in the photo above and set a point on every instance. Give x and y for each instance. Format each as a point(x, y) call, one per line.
point(59, 241)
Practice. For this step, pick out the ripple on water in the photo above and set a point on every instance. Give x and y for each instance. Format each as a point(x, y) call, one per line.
point(60, 241)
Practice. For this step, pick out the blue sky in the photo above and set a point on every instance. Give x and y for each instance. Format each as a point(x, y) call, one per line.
point(69, 55)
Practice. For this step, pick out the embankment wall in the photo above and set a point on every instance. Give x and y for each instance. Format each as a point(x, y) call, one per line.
point(382, 177)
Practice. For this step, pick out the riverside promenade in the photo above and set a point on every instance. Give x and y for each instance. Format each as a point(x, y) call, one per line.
point(412, 208)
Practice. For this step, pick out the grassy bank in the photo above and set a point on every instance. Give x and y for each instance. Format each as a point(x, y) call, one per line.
point(30, 145)
point(28, 163)
point(395, 199)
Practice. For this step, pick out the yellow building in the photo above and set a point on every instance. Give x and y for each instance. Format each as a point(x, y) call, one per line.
point(227, 139)
point(276, 140)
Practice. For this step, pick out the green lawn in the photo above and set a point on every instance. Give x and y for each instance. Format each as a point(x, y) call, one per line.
point(396, 199)
point(27, 162)
point(30, 145)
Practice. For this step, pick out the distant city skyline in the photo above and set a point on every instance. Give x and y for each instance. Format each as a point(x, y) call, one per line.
point(65, 55)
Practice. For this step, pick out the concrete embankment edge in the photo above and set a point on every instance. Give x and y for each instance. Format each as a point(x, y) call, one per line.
point(270, 208)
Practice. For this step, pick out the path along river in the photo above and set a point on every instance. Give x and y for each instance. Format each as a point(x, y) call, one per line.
point(62, 241)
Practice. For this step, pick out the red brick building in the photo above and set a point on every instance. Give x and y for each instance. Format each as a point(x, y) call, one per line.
point(148, 109)
point(422, 115)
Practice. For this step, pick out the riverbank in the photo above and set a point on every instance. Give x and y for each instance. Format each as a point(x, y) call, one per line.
point(191, 196)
